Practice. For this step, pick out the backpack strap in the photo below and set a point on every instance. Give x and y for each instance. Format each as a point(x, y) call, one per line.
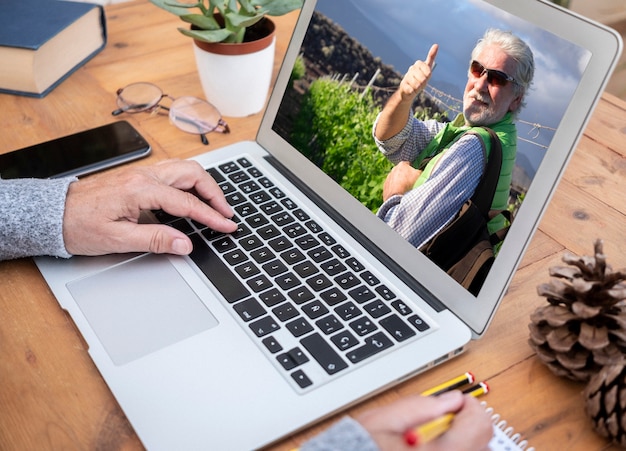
point(483, 195)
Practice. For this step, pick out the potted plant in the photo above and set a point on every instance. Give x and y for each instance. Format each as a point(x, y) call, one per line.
point(234, 45)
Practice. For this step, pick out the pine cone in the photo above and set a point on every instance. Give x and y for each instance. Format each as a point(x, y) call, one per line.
point(605, 402)
point(584, 326)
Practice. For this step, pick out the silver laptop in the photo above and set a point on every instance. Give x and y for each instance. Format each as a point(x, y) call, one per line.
point(314, 304)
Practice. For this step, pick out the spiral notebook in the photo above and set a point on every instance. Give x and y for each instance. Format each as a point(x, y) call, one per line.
point(504, 436)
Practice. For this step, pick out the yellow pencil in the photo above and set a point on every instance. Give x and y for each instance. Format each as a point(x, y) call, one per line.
point(434, 428)
point(453, 383)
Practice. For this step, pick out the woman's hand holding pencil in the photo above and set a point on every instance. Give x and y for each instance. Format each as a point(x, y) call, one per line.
point(442, 418)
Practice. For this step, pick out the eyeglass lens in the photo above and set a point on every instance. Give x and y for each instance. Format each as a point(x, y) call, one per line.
point(190, 114)
point(494, 77)
point(138, 97)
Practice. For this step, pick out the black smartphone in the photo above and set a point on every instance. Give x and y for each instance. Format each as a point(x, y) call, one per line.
point(78, 154)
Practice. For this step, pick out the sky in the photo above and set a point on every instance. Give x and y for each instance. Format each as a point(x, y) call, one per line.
point(400, 32)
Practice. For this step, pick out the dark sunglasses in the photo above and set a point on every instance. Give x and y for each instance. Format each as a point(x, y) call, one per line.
point(494, 77)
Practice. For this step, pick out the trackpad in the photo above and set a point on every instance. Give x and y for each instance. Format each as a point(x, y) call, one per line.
point(139, 307)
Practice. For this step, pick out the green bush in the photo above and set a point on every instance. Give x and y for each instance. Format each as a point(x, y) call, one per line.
point(334, 130)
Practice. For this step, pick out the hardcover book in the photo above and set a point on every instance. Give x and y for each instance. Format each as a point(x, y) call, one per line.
point(42, 42)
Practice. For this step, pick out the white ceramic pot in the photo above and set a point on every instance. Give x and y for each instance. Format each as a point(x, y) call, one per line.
point(236, 77)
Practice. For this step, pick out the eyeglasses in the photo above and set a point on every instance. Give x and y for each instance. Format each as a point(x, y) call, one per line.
point(189, 114)
point(494, 77)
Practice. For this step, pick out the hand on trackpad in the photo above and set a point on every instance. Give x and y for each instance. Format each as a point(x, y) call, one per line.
point(139, 307)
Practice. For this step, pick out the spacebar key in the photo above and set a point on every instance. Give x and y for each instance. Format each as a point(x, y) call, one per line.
point(323, 353)
point(216, 271)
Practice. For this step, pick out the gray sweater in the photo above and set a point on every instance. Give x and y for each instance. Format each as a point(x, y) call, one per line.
point(31, 212)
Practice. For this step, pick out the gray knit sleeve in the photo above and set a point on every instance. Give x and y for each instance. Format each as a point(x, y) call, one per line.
point(345, 435)
point(31, 217)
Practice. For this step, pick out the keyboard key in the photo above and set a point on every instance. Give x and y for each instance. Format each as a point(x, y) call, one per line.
point(373, 345)
point(285, 311)
point(262, 255)
point(217, 176)
point(259, 283)
point(363, 326)
point(319, 282)
point(239, 177)
point(301, 215)
point(274, 268)
point(322, 352)
point(314, 309)
point(305, 269)
point(348, 311)
point(244, 162)
point(224, 244)
point(329, 324)
point(292, 256)
point(249, 309)
point(333, 267)
point(235, 257)
point(287, 281)
point(264, 326)
point(268, 232)
point(299, 327)
point(333, 296)
point(319, 254)
point(370, 279)
point(418, 323)
point(250, 242)
point(344, 340)
point(216, 271)
point(301, 379)
point(385, 292)
point(183, 225)
point(340, 251)
point(300, 295)
point(246, 270)
point(272, 344)
point(397, 328)
point(347, 280)
point(272, 297)
point(280, 244)
point(306, 242)
point(361, 294)
point(293, 358)
point(355, 264)
point(282, 219)
point(401, 307)
point(245, 209)
point(249, 187)
point(377, 308)
point(260, 197)
point(229, 167)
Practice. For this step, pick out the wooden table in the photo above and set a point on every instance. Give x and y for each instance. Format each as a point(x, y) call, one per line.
point(51, 394)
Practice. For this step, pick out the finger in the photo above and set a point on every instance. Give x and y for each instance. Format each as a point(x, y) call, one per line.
point(188, 175)
point(186, 205)
point(432, 55)
point(155, 238)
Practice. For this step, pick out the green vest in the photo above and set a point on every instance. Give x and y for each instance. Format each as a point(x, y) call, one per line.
point(452, 131)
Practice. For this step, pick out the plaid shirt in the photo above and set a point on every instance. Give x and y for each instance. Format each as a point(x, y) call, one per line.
point(422, 212)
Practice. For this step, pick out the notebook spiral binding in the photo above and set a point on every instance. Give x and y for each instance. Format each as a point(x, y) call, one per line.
point(504, 436)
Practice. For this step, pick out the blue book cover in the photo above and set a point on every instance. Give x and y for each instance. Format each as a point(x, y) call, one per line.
point(33, 26)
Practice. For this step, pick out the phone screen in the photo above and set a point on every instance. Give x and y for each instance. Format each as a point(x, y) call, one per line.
point(78, 154)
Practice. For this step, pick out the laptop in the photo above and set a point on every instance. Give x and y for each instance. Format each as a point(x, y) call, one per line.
point(315, 304)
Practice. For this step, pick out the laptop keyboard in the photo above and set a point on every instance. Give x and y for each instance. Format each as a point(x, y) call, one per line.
point(315, 309)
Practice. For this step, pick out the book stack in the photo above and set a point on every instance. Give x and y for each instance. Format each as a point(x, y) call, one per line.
point(42, 42)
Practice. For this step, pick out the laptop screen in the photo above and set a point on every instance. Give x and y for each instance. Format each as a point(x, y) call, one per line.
point(352, 57)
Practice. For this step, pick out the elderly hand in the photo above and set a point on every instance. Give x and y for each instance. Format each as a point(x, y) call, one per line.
point(102, 211)
point(416, 78)
point(400, 180)
point(471, 428)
